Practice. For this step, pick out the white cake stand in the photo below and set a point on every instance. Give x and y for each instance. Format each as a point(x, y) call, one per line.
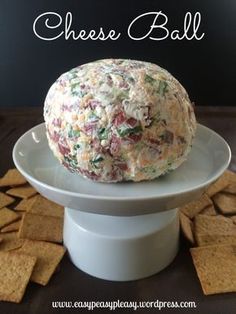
point(121, 231)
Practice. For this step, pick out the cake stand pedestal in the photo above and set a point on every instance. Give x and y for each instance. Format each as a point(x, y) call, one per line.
point(121, 248)
point(122, 231)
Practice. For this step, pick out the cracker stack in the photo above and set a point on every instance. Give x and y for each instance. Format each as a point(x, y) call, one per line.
point(30, 227)
point(209, 224)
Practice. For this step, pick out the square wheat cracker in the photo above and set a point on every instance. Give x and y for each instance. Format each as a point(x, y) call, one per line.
point(15, 272)
point(19, 213)
point(225, 202)
point(10, 241)
point(205, 224)
point(186, 227)
point(11, 227)
point(25, 204)
point(209, 210)
point(215, 266)
point(12, 177)
point(231, 176)
point(231, 188)
point(195, 207)
point(25, 191)
point(43, 206)
point(48, 256)
point(213, 239)
point(5, 200)
point(218, 185)
point(38, 227)
point(7, 216)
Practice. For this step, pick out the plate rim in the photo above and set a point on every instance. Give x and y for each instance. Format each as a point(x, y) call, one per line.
point(118, 198)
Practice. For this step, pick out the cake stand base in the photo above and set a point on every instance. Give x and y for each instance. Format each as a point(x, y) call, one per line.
point(121, 248)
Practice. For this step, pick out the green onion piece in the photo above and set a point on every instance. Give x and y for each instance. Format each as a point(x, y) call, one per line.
point(97, 159)
point(149, 79)
point(93, 116)
point(76, 146)
point(162, 88)
point(129, 131)
point(73, 133)
point(102, 134)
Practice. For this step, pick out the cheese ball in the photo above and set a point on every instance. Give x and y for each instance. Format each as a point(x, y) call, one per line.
point(118, 120)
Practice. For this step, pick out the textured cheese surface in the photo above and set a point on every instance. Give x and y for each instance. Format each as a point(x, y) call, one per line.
point(117, 120)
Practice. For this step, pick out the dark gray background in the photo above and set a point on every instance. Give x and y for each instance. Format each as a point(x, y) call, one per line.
point(28, 65)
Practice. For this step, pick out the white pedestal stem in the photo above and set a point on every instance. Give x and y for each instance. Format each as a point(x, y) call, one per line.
point(121, 248)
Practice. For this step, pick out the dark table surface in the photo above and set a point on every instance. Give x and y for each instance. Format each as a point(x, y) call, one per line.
point(178, 282)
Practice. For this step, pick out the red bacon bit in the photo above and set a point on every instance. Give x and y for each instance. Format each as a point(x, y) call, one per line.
point(109, 80)
point(114, 145)
point(123, 85)
point(89, 174)
point(168, 137)
point(90, 127)
point(154, 142)
point(56, 122)
point(67, 107)
point(94, 103)
point(147, 114)
point(134, 138)
point(95, 144)
point(119, 119)
point(132, 122)
point(122, 166)
point(181, 139)
point(54, 137)
point(113, 176)
point(154, 152)
point(65, 164)
point(118, 169)
point(63, 149)
point(62, 82)
point(154, 146)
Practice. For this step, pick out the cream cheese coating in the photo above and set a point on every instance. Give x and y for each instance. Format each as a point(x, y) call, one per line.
point(118, 120)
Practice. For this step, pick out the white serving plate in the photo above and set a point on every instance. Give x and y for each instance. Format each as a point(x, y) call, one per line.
point(209, 158)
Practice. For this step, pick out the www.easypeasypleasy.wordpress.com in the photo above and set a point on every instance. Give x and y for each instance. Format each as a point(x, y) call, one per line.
point(118, 304)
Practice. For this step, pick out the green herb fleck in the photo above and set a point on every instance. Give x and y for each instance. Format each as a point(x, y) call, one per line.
point(73, 133)
point(149, 79)
point(131, 79)
point(167, 137)
point(170, 162)
point(93, 116)
point(162, 88)
point(148, 169)
point(102, 134)
point(76, 90)
point(76, 146)
point(73, 73)
point(96, 160)
point(129, 131)
point(162, 137)
point(71, 160)
point(122, 94)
